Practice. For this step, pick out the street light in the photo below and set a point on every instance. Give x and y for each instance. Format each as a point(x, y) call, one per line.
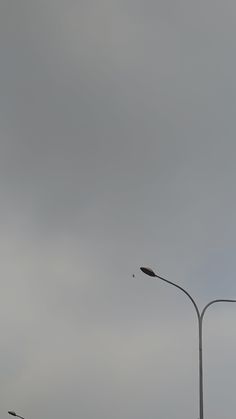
point(200, 315)
point(12, 413)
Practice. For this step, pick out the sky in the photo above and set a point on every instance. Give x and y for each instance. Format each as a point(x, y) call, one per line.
point(117, 150)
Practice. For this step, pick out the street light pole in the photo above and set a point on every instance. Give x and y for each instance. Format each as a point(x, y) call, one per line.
point(200, 316)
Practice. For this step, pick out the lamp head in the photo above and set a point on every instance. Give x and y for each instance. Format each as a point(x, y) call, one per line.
point(147, 271)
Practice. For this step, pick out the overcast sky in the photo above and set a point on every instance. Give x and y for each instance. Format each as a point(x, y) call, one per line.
point(117, 149)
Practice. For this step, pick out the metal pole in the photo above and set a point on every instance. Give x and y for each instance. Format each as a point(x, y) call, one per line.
point(200, 318)
point(201, 414)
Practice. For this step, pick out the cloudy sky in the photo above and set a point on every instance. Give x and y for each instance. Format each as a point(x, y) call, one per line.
point(117, 149)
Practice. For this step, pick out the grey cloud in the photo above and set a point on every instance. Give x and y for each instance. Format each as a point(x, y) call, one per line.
point(117, 149)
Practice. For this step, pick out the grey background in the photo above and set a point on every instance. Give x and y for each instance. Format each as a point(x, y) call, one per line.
point(117, 150)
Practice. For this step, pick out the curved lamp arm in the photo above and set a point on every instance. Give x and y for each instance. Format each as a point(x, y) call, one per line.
point(213, 302)
point(151, 273)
